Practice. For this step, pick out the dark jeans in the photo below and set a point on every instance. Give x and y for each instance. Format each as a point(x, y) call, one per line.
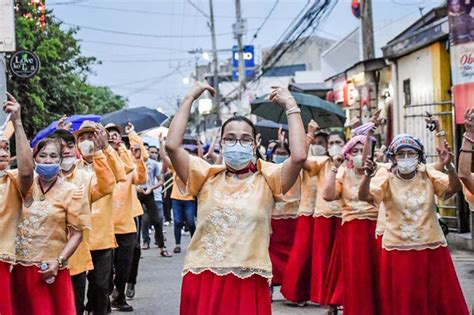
point(183, 211)
point(137, 253)
point(99, 281)
point(123, 258)
point(79, 285)
point(151, 217)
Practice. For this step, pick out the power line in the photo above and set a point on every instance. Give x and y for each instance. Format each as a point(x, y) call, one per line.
point(131, 45)
point(144, 60)
point(97, 29)
point(265, 20)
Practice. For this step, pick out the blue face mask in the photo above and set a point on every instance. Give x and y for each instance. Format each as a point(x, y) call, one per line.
point(47, 171)
point(237, 156)
point(278, 159)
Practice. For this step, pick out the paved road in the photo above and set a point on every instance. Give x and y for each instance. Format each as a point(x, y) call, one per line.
point(159, 283)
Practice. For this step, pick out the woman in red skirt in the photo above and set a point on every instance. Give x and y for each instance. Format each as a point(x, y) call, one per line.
point(360, 249)
point(283, 221)
point(13, 185)
point(49, 231)
point(317, 230)
point(417, 273)
point(227, 268)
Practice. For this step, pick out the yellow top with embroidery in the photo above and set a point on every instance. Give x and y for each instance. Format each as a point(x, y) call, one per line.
point(411, 222)
point(124, 194)
point(97, 185)
point(233, 227)
point(103, 236)
point(347, 188)
point(313, 186)
point(44, 221)
point(10, 210)
point(176, 193)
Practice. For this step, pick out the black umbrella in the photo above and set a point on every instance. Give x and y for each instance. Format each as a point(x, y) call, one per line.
point(269, 130)
point(143, 118)
point(326, 114)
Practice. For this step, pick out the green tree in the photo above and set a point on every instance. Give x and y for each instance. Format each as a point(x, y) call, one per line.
point(61, 86)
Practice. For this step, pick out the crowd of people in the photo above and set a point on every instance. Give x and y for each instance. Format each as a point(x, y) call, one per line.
point(332, 221)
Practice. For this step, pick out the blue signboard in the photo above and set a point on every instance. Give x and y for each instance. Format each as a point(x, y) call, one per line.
point(248, 73)
point(249, 56)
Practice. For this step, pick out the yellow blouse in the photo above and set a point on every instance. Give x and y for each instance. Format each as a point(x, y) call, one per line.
point(124, 206)
point(102, 222)
point(43, 226)
point(410, 212)
point(10, 209)
point(325, 208)
point(233, 227)
point(347, 187)
point(97, 185)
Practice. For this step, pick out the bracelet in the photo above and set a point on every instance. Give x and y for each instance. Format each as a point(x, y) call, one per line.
point(465, 136)
point(369, 174)
point(61, 262)
point(334, 169)
point(293, 110)
point(441, 133)
point(451, 167)
point(466, 151)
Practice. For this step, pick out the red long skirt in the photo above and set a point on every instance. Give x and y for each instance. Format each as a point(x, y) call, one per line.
point(32, 296)
point(333, 289)
point(420, 282)
point(361, 254)
point(281, 242)
point(209, 294)
point(296, 285)
point(5, 289)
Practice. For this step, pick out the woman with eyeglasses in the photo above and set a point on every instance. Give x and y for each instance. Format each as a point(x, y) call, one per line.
point(417, 273)
point(227, 269)
point(14, 185)
point(49, 231)
point(360, 249)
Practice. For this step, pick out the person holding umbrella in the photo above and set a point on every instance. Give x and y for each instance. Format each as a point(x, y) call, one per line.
point(227, 266)
point(14, 185)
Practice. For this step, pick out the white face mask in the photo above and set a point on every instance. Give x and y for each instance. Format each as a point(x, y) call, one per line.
point(317, 150)
point(357, 161)
point(86, 147)
point(335, 150)
point(407, 166)
point(68, 163)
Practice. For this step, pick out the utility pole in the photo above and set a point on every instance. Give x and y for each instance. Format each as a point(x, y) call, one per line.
point(368, 50)
point(238, 34)
point(215, 62)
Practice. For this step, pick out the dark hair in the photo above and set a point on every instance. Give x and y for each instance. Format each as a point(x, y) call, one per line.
point(283, 145)
point(44, 142)
point(153, 147)
point(239, 119)
point(146, 144)
point(340, 134)
point(62, 134)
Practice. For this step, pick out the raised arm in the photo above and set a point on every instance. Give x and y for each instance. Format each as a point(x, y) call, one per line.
point(329, 191)
point(445, 157)
point(364, 188)
point(23, 151)
point(292, 166)
point(312, 128)
point(178, 156)
point(465, 154)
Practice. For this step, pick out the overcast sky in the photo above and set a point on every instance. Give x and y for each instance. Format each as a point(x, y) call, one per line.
point(148, 69)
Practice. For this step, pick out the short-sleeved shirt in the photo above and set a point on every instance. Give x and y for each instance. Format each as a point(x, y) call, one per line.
point(43, 226)
point(10, 209)
point(233, 226)
point(153, 169)
point(347, 187)
point(411, 222)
